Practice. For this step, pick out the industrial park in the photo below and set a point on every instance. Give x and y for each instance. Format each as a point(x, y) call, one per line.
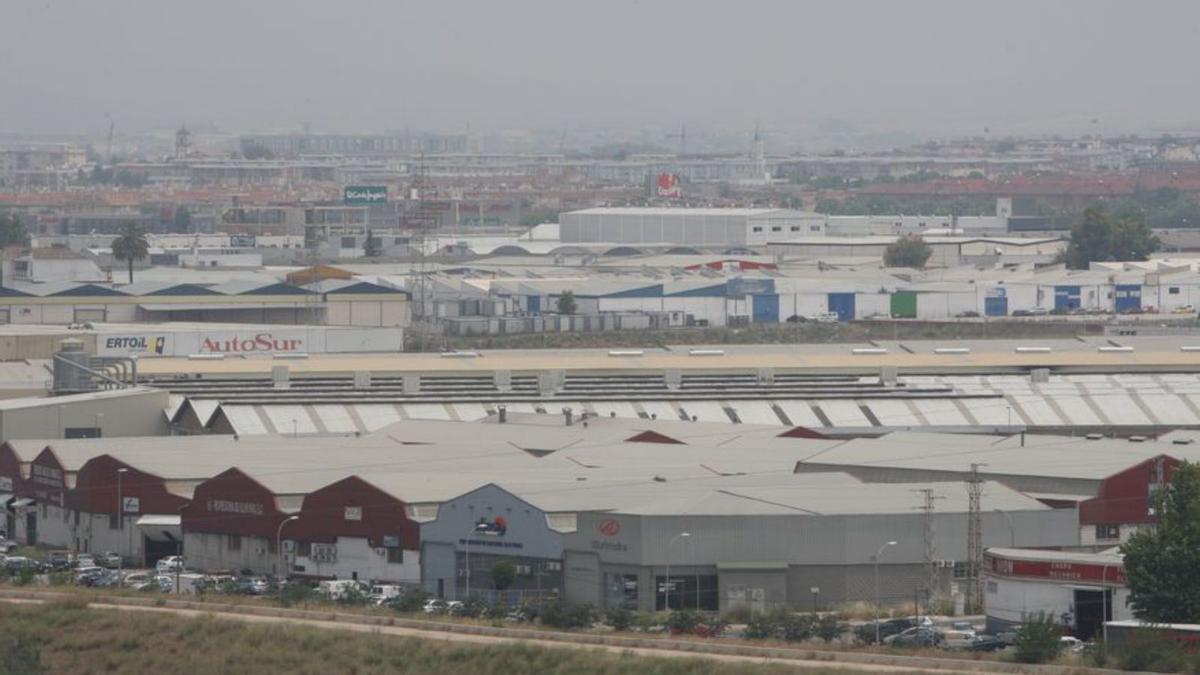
point(656, 339)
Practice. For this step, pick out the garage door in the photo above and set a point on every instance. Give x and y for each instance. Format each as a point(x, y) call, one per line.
point(904, 304)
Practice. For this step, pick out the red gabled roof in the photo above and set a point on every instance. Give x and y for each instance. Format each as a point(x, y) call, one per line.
point(801, 432)
point(653, 437)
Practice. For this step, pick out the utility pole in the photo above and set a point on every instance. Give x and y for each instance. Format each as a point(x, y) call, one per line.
point(928, 506)
point(975, 539)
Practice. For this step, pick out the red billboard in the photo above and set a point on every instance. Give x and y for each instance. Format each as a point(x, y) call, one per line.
point(668, 186)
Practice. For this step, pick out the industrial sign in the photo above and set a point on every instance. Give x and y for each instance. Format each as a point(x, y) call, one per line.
point(497, 527)
point(6, 484)
point(353, 513)
point(131, 505)
point(137, 344)
point(243, 240)
point(608, 527)
point(668, 186)
point(259, 342)
point(360, 195)
point(226, 506)
point(391, 542)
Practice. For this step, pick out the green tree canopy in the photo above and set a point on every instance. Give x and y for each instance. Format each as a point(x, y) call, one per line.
point(12, 230)
point(1100, 236)
point(131, 245)
point(373, 246)
point(911, 251)
point(504, 573)
point(566, 302)
point(182, 222)
point(1162, 563)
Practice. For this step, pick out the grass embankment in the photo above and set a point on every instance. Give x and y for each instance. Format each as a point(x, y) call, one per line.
point(858, 331)
point(67, 637)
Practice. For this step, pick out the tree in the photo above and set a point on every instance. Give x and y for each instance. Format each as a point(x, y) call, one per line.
point(12, 230)
point(1100, 236)
point(182, 222)
point(908, 251)
point(256, 151)
point(131, 245)
point(373, 246)
point(503, 575)
point(1161, 562)
point(566, 303)
point(1037, 639)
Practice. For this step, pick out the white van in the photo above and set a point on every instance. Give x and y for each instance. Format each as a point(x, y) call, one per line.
point(336, 589)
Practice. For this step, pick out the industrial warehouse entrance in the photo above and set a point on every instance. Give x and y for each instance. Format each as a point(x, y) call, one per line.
point(1092, 608)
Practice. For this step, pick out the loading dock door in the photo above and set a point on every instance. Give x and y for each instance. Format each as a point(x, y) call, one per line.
point(1127, 297)
point(904, 305)
point(533, 303)
point(842, 304)
point(765, 308)
point(1066, 297)
point(995, 306)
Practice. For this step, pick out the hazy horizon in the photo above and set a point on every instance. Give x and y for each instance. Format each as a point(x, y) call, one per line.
point(929, 67)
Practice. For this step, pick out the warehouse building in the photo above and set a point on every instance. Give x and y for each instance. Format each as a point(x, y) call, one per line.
point(719, 228)
point(1079, 590)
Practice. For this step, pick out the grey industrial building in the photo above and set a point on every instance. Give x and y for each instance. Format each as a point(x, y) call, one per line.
point(688, 227)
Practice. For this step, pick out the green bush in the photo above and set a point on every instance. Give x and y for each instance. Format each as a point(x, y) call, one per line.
point(473, 607)
point(646, 621)
point(828, 628)
point(411, 601)
point(1037, 639)
point(295, 594)
point(684, 621)
point(23, 577)
point(761, 627)
point(739, 614)
point(618, 618)
point(1150, 650)
point(560, 614)
point(796, 627)
point(352, 596)
point(61, 578)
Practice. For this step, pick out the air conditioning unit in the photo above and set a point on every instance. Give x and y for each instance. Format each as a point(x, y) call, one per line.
point(259, 550)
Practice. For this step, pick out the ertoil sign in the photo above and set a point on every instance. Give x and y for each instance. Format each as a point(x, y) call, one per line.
point(364, 194)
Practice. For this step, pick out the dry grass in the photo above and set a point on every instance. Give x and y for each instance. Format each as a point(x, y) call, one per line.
point(74, 639)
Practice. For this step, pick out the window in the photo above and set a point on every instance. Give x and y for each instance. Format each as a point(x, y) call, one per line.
point(756, 229)
point(349, 242)
point(993, 588)
point(304, 548)
point(795, 228)
point(81, 432)
point(233, 542)
point(962, 570)
point(1172, 290)
point(553, 566)
point(114, 521)
point(1106, 531)
point(814, 228)
point(777, 228)
point(395, 555)
point(688, 591)
point(76, 519)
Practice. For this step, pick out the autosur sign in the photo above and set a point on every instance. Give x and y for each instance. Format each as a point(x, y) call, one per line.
point(257, 342)
point(364, 194)
point(609, 527)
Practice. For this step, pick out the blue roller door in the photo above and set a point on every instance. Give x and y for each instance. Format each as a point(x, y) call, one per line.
point(533, 304)
point(1066, 297)
point(995, 306)
point(842, 304)
point(766, 308)
point(1127, 297)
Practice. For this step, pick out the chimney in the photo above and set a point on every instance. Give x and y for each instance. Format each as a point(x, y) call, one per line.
point(567, 416)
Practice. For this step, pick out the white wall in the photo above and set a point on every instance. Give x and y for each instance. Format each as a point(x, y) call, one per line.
point(355, 555)
point(1009, 600)
point(211, 552)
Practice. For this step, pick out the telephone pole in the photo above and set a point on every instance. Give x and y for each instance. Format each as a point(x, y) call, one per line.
point(928, 506)
point(975, 539)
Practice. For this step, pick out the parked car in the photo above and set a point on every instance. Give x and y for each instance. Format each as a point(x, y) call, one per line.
point(1070, 644)
point(84, 560)
point(109, 559)
point(435, 606)
point(987, 643)
point(338, 589)
point(8, 546)
point(381, 593)
point(921, 636)
point(59, 559)
point(1037, 311)
point(14, 563)
point(87, 576)
point(969, 314)
point(1184, 309)
point(171, 563)
point(138, 581)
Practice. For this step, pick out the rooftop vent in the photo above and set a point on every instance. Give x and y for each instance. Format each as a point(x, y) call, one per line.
point(1183, 441)
point(1094, 437)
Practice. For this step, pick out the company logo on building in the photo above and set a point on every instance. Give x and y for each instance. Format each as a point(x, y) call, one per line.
point(137, 343)
point(260, 342)
point(243, 508)
point(609, 527)
point(496, 527)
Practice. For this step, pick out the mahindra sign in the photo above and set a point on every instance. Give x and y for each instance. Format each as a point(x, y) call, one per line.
point(258, 342)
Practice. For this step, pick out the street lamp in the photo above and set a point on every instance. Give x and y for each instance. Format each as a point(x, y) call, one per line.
point(120, 526)
point(279, 543)
point(876, 559)
point(667, 585)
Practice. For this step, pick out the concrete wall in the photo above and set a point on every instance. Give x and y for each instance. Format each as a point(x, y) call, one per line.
point(136, 413)
point(211, 552)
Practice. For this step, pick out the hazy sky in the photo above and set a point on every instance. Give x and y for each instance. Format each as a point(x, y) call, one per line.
point(950, 66)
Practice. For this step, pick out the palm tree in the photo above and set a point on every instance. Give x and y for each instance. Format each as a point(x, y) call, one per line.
point(131, 245)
